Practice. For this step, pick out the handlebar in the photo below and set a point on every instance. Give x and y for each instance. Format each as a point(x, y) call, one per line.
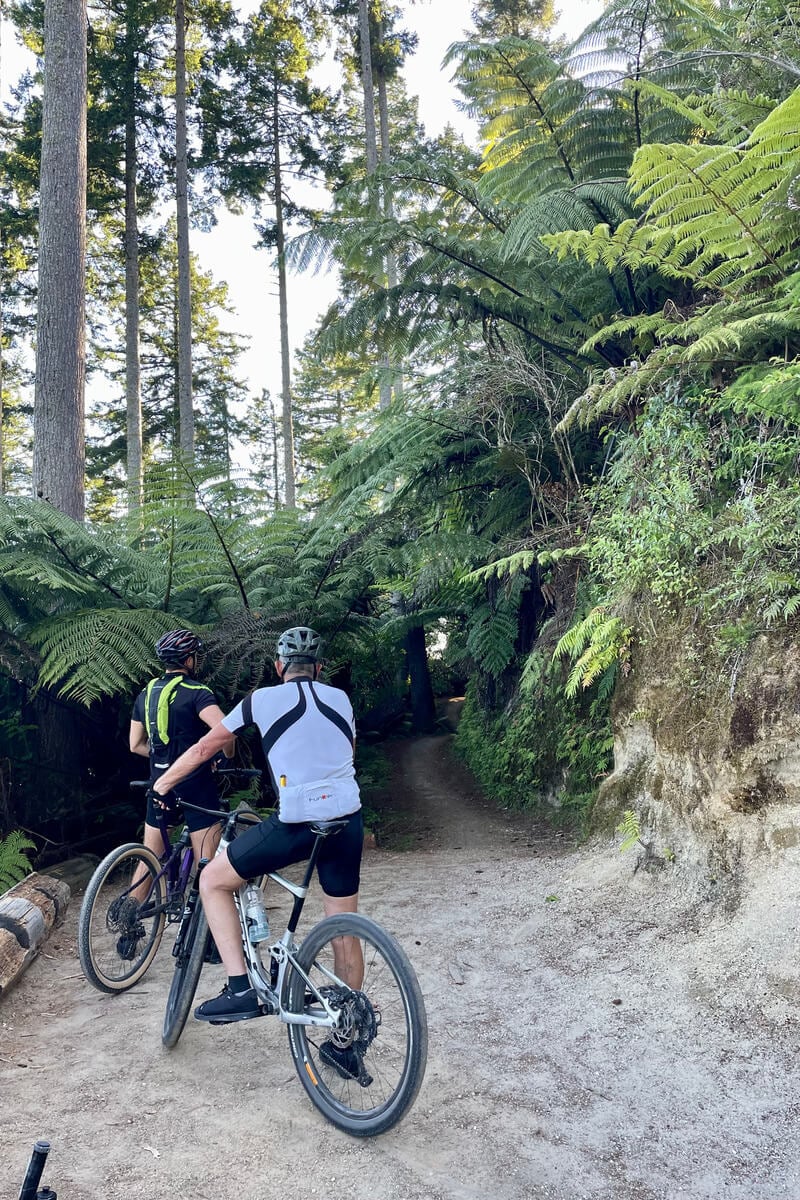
point(34, 1172)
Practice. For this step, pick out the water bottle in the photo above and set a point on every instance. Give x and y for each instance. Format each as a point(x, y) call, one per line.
point(255, 913)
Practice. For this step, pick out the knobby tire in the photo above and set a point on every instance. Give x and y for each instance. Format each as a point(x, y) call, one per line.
point(396, 1056)
point(106, 920)
point(188, 965)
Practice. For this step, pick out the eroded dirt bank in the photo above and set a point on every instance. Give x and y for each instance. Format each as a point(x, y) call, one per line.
point(593, 1033)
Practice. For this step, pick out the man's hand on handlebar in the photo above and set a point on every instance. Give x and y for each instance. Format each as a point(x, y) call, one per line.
point(167, 802)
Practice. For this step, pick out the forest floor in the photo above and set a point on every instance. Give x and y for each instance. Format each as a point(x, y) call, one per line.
point(595, 1031)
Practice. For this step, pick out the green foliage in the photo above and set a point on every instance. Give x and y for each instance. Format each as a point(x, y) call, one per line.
point(629, 830)
point(596, 645)
point(700, 510)
point(14, 864)
point(546, 752)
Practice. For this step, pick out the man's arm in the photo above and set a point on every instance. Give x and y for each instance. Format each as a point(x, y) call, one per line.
point(212, 714)
point(215, 740)
point(138, 739)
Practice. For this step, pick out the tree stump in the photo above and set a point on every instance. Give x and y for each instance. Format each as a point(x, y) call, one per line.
point(28, 911)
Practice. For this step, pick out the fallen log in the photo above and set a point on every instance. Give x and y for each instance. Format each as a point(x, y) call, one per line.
point(28, 911)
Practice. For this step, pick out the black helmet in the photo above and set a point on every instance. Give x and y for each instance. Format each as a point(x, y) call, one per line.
point(299, 645)
point(175, 647)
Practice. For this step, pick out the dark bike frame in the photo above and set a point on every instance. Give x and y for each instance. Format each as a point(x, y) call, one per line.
point(177, 859)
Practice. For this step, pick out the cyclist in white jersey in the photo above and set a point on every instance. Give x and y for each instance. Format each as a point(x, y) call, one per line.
point(308, 734)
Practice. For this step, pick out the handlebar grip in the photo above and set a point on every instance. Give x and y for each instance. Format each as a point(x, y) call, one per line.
point(34, 1172)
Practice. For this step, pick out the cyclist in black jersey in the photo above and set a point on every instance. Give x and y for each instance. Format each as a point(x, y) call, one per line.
point(308, 734)
point(169, 715)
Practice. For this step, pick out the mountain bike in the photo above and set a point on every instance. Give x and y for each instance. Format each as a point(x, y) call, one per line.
point(132, 895)
point(360, 1053)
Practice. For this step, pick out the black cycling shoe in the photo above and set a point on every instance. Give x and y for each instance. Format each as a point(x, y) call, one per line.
point(128, 944)
point(228, 1007)
point(346, 1061)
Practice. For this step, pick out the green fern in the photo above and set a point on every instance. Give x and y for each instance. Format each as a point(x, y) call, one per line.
point(14, 863)
point(597, 644)
point(629, 830)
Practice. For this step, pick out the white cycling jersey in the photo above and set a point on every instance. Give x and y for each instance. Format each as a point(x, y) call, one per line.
point(308, 734)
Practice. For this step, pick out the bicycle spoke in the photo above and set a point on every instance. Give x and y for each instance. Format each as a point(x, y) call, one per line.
point(365, 1074)
point(122, 918)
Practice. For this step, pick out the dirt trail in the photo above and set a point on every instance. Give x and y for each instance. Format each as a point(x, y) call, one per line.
point(593, 1033)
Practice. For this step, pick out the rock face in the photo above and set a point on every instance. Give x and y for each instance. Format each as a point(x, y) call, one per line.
point(707, 752)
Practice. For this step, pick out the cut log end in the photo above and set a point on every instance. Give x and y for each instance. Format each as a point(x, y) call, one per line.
point(28, 911)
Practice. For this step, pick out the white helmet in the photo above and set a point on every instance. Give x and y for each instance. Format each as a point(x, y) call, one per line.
point(299, 645)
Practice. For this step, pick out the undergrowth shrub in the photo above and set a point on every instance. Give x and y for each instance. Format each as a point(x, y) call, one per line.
point(700, 511)
point(546, 750)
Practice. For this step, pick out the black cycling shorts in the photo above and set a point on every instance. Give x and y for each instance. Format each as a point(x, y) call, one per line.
point(205, 796)
point(273, 845)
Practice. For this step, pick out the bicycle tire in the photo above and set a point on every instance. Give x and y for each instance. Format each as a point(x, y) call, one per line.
point(106, 921)
point(397, 1048)
point(188, 965)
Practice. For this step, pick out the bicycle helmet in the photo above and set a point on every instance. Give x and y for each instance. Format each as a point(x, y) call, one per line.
point(175, 647)
point(299, 645)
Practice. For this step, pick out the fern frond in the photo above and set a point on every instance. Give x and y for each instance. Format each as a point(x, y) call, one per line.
point(594, 644)
point(14, 863)
point(629, 829)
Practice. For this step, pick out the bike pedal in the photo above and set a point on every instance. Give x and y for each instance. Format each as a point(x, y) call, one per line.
point(264, 1011)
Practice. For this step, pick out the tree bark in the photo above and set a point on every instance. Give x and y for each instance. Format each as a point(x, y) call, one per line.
point(2, 443)
point(28, 911)
point(367, 86)
point(2, 297)
point(389, 377)
point(58, 420)
point(287, 424)
point(133, 396)
point(423, 706)
point(185, 406)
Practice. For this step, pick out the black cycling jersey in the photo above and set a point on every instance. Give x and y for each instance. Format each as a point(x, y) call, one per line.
point(175, 728)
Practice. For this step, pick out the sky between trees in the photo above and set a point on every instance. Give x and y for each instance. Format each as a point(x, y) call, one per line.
point(227, 250)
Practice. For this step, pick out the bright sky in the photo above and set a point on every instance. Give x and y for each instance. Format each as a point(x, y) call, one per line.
point(228, 250)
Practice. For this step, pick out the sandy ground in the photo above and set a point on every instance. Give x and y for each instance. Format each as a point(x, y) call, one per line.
point(594, 1032)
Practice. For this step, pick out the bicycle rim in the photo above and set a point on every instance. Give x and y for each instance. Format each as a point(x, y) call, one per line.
point(381, 1047)
point(188, 965)
point(119, 932)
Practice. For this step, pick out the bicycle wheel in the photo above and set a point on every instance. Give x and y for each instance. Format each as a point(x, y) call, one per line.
point(188, 965)
point(119, 933)
point(365, 1075)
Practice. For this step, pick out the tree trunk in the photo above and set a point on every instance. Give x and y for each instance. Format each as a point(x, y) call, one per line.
point(2, 296)
point(287, 426)
point(58, 414)
point(423, 707)
point(388, 371)
point(2, 444)
point(185, 409)
point(28, 911)
point(133, 396)
point(367, 86)
point(275, 456)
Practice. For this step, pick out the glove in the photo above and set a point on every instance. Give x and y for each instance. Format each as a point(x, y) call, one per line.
point(166, 803)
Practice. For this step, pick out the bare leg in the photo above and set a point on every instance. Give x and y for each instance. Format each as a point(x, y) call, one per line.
point(347, 957)
point(155, 842)
point(218, 882)
point(205, 841)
